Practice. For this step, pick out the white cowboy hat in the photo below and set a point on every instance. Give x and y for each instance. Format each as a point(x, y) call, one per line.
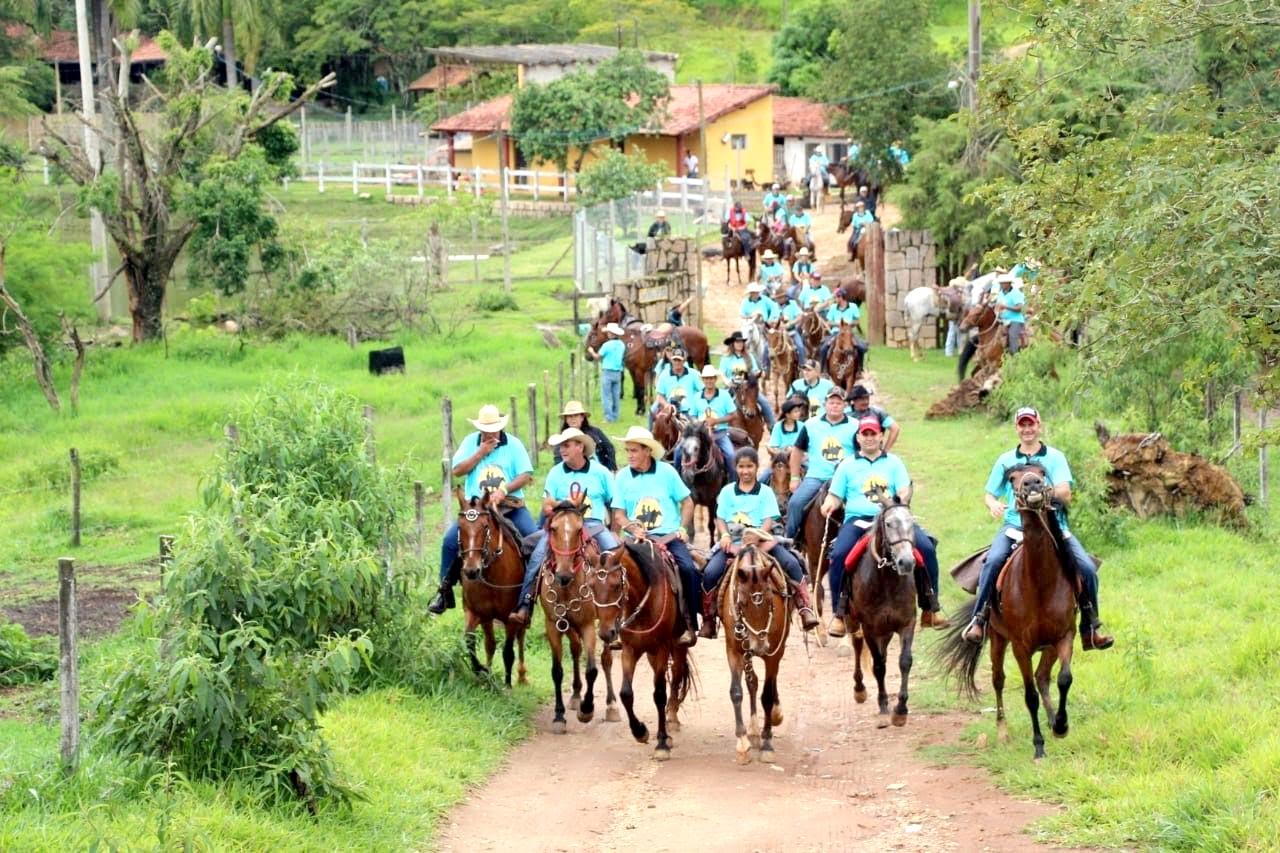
point(575, 434)
point(1006, 278)
point(804, 250)
point(640, 435)
point(769, 255)
point(709, 370)
point(490, 420)
point(755, 287)
point(661, 214)
point(958, 281)
point(614, 329)
point(573, 407)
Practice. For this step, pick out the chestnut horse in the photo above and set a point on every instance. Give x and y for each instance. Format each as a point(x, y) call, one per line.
point(989, 345)
point(779, 478)
point(492, 572)
point(783, 365)
point(1035, 610)
point(641, 357)
point(812, 331)
point(636, 602)
point(569, 610)
point(882, 602)
point(755, 607)
point(747, 416)
point(732, 250)
point(844, 359)
point(668, 423)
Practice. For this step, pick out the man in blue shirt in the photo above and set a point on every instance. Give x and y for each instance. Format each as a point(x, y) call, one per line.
point(757, 303)
point(650, 500)
point(861, 219)
point(1011, 302)
point(752, 510)
point(680, 376)
point(738, 363)
point(827, 440)
point(496, 467)
point(815, 295)
point(843, 311)
point(1000, 503)
point(715, 406)
point(802, 268)
point(613, 353)
point(578, 477)
point(860, 400)
point(812, 386)
point(801, 222)
point(855, 480)
point(789, 313)
point(771, 271)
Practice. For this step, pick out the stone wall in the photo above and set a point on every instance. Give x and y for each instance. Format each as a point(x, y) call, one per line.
point(909, 262)
point(672, 266)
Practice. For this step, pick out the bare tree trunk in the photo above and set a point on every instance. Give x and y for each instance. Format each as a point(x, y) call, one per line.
point(44, 376)
point(146, 299)
point(229, 51)
point(73, 337)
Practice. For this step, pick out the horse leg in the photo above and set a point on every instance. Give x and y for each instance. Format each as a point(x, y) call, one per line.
point(641, 381)
point(575, 649)
point(878, 669)
point(1048, 657)
point(610, 704)
point(658, 663)
point(735, 696)
point(555, 640)
point(1031, 697)
point(522, 674)
point(998, 646)
point(906, 637)
point(859, 688)
point(679, 662)
point(470, 623)
point(768, 698)
point(753, 685)
point(1065, 647)
point(508, 649)
point(587, 709)
point(490, 643)
point(639, 730)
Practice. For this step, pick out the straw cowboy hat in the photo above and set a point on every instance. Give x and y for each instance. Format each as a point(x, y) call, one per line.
point(640, 435)
point(755, 287)
point(614, 329)
point(490, 420)
point(709, 370)
point(575, 434)
point(958, 281)
point(573, 407)
point(768, 255)
point(661, 214)
point(804, 251)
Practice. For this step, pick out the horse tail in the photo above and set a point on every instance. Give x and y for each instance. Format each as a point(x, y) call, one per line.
point(966, 355)
point(959, 656)
point(686, 685)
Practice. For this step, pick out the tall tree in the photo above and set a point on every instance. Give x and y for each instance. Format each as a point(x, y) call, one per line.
point(239, 24)
point(160, 162)
point(802, 49)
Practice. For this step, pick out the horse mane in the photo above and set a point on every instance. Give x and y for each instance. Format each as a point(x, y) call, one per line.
point(1060, 546)
point(566, 506)
point(646, 557)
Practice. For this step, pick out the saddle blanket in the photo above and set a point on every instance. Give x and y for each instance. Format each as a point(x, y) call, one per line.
point(861, 548)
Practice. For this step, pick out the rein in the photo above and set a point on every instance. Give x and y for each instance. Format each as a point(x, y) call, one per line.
point(624, 624)
point(490, 557)
point(550, 591)
point(743, 630)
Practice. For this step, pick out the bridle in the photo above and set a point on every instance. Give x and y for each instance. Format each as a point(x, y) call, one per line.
point(624, 623)
point(884, 561)
point(489, 556)
point(580, 552)
point(707, 442)
point(743, 631)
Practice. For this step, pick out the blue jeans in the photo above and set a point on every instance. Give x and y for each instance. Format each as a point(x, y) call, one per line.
point(850, 533)
point(611, 393)
point(1002, 547)
point(719, 561)
point(688, 579)
point(804, 493)
point(721, 437)
point(595, 529)
point(797, 340)
point(953, 338)
point(519, 516)
point(766, 410)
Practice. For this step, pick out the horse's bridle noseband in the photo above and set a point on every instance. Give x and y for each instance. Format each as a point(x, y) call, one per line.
point(473, 515)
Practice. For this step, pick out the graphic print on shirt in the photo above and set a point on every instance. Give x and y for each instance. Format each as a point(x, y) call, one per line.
point(492, 477)
point(875, 483)
point(742, 518)
point(649, 513)
point(832, 449)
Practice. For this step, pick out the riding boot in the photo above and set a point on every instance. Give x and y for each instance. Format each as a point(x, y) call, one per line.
point(685, 603)
point(930, 609)
point(709, 601)
point(522, 614)
point(444, 596)
point(978, 626)
point(808, 618)
point(1091, 637)
point(839, 624)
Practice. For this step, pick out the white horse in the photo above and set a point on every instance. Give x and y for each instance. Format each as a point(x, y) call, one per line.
point(923, 303)
point(757, 343)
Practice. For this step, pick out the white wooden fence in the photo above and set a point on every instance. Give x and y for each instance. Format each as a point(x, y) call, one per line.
point(552, 186)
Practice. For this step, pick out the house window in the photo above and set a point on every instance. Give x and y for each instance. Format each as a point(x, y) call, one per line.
point(738, 142)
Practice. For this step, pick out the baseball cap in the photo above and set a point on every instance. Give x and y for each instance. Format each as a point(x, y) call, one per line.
point(869, 425)
point(1026, 413)
point(858, 392)
point(835, 392)
point(811, 364)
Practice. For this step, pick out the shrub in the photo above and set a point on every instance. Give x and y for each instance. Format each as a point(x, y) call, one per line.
point(494, 300)
point(24, 660)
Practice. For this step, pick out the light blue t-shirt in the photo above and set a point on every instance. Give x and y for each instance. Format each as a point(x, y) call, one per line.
point(857, 475)
point(780, 438)
point(800, 218)
point(503, 464)
point(689, 381)
point(827, 444)
point(1009, 301)
point(770, 198)
point(764, 306)
point(612, 353)
point(721, 405)
point(998, 486)
point(814, 295)
point(771, 274)
point(750, 509)
point(595, 480)
point(730, 361)
point(815, 394)
point(652, 498)
point(789, 312)
point(800, 268)
point(861, 220)
point(847, 314)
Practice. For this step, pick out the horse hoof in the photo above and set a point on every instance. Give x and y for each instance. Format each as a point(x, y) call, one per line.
point(754, 740)
point(859, 694)
point(766, 754)
point(573, 703)
point(673, 725)
point(898, 720)
point(744, 750)
point(844, 650)
point(611, 715)
point(640, 733)
point(1060, 733)
point(776, 717)
point(662, 753)
point(882, 722)
point(559, 727)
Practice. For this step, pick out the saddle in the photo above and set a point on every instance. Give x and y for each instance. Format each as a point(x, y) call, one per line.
point(967, 572)
point(509, 531)
point(657, 337)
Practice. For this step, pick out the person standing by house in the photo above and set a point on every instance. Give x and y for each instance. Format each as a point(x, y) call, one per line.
point(612, 353)
point(1012, 302)
point(691, 166)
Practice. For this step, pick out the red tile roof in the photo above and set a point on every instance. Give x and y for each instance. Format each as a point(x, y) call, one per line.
point(437, 78)
point(717, 100)
point(482, 118)
point(803, 117)
point(61, 46)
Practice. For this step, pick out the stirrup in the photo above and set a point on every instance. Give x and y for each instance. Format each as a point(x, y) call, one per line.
point(522, 615)
point(688, 638)
point(837, 628)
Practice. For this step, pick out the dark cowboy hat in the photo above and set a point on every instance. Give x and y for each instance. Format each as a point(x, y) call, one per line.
point(736, 336)
point(795, 403)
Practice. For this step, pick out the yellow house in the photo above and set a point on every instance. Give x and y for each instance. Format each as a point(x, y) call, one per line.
point(739, 136)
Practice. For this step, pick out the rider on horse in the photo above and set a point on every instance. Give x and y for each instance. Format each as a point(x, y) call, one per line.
point(815, 294)
point(843, 311)
point(1000, 503)
point(811, 385)
point(738, 362)
point(802, 268)
point(774, 202)
point(650, 500)
point(714, 405)
point(789, 312)
point(739, 222)
point(827, 440)
point(577, 478)
point(1013, 315)
point(801, 223)
point(752, 509)
point(785, 432)
point(862, 217)
point(860, 400)
point(757, 303)
point(495, 465)
point(855, 484)
point(680, 376)
point(772, 273)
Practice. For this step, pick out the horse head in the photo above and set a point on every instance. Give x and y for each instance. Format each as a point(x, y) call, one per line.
point(566, 530)
point(980, 316)
point(1031, 487)
point(696, 446)
point(896, 531)
point(596, 336)
point(755, 601)
point(746, 394)
point(608, 585)
point(478, 536)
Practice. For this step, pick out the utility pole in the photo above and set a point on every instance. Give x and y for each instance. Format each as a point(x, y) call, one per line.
point(702, 139)
point(506, 235)
point(97, 230)
point(975, 51)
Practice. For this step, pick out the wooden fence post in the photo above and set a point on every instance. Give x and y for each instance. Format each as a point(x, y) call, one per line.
point(68, 664)
point(546, 404)
point(1264, 471)
point(574, 391)
point(560, 386)
point(419, 510)
point(1236, 416)
point(75, 498)
point(446, 461)
point(533, 422)
point(514, 415)
point(369, 448)
point(166, 555)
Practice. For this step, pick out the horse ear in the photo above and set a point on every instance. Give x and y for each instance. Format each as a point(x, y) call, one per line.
point(462, 503)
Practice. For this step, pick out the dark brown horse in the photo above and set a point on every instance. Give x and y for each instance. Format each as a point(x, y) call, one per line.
point(989, 346)
point(731, 249)
point(703, 468)
point(755, 608)
point(847, 177)
point(794, 238)
point(748, 416)
point(882, 603)
point(636, 603)
point(817, 535)
point(780, 468)
point(844, 359)
point(668, 423)
point(569, 610)
point(858, 252)
point(855, 289)
point(767, 238)
point(643, 349)
point(1035, 610)
point(492, 572)
point(784, 366)
point(812, 330)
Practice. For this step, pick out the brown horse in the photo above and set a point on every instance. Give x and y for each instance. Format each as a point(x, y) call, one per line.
point(780, 468)
point(844, 359)
point(755, 608)
point(703, 469)
point(668, 423)
point(747, 416)
point(847, 177)
point(1035, 611)
point(767, 239)
point(855, 289)
point(812, 330)
point(643, 349)
point(795, 237)
point(817, 535)
point(989, 346)
point(569, 610)
point(882, 603)
point(784, 367)
point(492, 572)
point(731, 249)
point(636, 602)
